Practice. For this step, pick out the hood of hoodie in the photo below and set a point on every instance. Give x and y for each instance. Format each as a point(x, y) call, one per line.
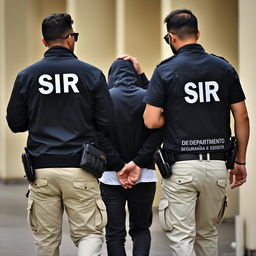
point(122, 73)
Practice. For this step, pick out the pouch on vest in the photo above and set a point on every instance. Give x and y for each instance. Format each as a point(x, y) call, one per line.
point(93, 160)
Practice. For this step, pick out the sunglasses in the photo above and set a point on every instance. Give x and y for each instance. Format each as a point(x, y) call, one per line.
point(168, 36)
point(75, 35)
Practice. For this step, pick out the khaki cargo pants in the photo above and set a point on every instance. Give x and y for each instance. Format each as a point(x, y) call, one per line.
point(76, 191)
point(193, 202)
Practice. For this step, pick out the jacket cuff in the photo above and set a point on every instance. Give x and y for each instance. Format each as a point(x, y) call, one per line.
point(117, 165)
point(138, 160)
point(144, 80)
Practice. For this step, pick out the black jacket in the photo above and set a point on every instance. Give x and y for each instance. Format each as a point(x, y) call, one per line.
point(62, 102)
point(129, 139)
point(195, 89)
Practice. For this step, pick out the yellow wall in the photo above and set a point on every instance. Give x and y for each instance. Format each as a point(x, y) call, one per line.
point(95, 21)
point(2, 90)
point(247, 56)
point(20, 43)
point(16, 50)
point(142, 32)
point(218, 25)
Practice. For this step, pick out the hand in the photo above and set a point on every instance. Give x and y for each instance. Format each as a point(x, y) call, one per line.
point(134, 173)
point(122, 176)
point(134, 61)
point(239, 171)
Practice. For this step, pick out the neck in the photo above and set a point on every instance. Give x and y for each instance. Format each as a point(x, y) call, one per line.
point(57, 44)
point(180, 44)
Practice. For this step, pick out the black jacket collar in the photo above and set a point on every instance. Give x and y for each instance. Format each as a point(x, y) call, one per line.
point(190, 48)
point(59, 51)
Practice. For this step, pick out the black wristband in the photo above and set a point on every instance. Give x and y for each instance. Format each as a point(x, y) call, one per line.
point(239, 163)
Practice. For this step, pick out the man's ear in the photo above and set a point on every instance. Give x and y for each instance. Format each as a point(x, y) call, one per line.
point(197, 35)
point(44, 42)
point(172, 38)
point(69, 40)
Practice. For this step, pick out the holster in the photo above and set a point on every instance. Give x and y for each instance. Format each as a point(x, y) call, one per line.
point(164, 162)
point(93, 160)
point(231, 155)
point(28, 168)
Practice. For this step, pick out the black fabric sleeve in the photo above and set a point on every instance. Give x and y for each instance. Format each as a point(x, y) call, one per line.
point(103, 107)
point(114, 161)
point(17, 110)
point(156, 91)
point(145, 154)
point(103, 115)
point(236, 91)
point(144, 81)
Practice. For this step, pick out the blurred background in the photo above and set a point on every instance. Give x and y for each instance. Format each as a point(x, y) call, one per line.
point(109, 28)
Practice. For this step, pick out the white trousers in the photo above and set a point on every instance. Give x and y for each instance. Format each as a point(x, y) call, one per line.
point(193, 202)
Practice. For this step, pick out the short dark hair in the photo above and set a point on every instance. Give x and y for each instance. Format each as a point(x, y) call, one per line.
point(56, 25)
point(182, 22)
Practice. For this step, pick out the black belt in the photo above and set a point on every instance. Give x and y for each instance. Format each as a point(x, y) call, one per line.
point(56, 161)
point(202, 156)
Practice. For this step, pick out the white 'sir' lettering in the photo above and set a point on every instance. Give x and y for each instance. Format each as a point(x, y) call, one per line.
point(202, 92)
point(53, 84)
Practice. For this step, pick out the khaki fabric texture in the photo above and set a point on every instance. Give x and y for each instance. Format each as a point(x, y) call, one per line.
point(193, 202)
point(75, 191)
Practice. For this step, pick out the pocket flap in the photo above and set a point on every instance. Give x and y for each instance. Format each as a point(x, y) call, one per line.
point(101, 218)
point(163, 204)
point(222, 183)
point(164, 218)
point(80, 184)
point(40, 183)
point(101, 205)
point(181, 179)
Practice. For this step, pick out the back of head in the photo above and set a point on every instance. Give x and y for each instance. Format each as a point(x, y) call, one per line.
point(182, 22)
point(56, 26)
point(122, 72)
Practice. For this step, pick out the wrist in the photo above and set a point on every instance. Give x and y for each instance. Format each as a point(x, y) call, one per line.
point(240, 163)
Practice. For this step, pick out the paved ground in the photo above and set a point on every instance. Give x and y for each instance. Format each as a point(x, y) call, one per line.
point(16, 238)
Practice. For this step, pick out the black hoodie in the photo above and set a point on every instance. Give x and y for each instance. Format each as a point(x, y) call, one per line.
point(129, 139)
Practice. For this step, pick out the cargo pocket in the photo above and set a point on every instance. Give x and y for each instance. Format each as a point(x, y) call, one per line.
point(180, 180)
point(219, 219)
point(222, 211)
point(101, 215)
point(86, 189)
point(80, 185)
point(31, 215)
point(164, 216)
point(39, 183)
